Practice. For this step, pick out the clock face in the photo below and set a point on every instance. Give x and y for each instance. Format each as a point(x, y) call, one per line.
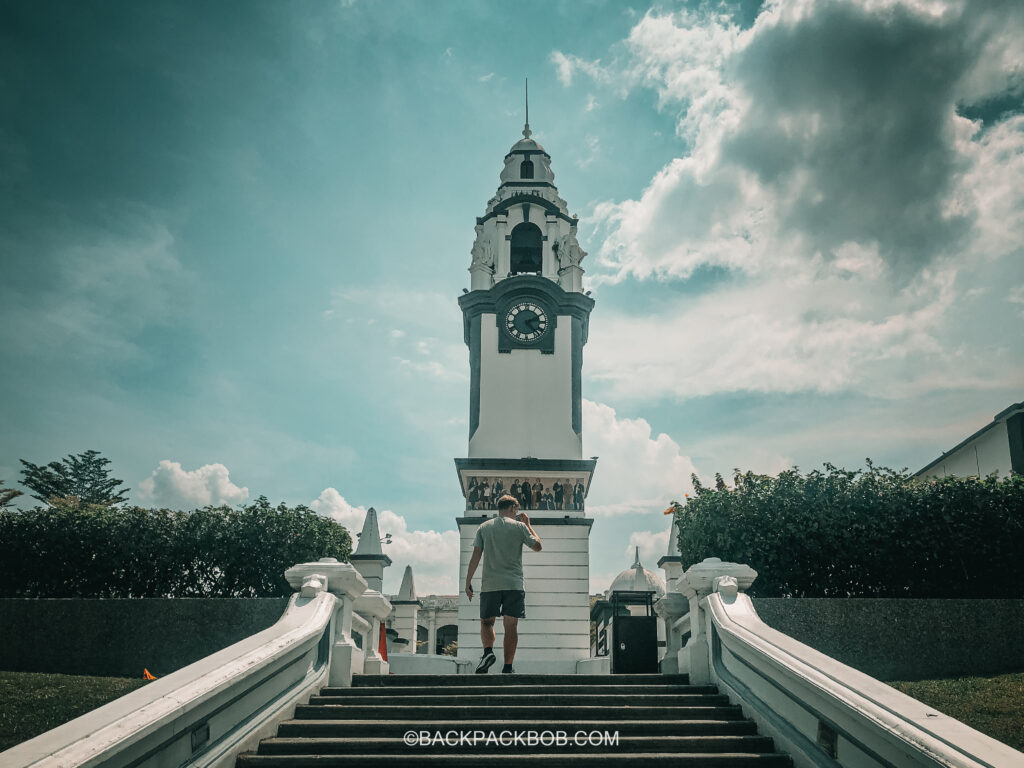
point(526, 321)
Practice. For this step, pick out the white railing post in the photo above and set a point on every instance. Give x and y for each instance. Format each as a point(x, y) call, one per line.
point(696, 584)
point(374, 607)
point(670, 609)
point(345, 582)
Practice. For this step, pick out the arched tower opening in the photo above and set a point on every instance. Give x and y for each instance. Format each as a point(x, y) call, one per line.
point(526, 251)
point(526, 169)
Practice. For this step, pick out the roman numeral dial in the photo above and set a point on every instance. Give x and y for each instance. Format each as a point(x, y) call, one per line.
point(526, 321)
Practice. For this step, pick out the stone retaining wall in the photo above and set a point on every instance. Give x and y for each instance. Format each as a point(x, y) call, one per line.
point(886, 638)
point(893, 639)
point(122, 637)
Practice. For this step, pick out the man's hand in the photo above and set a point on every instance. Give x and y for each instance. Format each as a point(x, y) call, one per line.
point(469, 590)
point(523, 518)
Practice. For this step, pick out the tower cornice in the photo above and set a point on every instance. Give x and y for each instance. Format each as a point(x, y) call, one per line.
point(563, 302)
point(518, 198)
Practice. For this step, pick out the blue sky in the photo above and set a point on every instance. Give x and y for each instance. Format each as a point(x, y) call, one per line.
point(233, 236)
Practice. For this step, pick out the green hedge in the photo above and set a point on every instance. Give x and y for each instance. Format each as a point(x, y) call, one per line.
point(85, 550)
point(865, 533)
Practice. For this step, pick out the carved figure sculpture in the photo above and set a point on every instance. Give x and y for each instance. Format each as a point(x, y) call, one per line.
point(483, 251)
point(569, 252)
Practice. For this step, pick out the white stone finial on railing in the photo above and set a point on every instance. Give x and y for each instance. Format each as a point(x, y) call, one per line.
point(341, 579)
point(727, 586)
point(313, 584)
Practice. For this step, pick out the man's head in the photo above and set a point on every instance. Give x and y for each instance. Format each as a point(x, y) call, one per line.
point(508, 506)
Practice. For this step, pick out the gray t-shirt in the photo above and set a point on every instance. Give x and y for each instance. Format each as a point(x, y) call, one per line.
point(502, 540)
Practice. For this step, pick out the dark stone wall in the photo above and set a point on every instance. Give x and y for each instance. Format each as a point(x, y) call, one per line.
point(120, 638)
point(894, 639)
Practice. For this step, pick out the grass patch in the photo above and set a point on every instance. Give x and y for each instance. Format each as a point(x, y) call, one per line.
point(992, 705)
point(32, 703)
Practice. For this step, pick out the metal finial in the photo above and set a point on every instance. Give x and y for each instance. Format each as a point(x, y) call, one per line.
point(526, 128)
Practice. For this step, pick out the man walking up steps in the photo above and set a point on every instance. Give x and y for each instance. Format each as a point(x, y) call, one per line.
point(500, 542)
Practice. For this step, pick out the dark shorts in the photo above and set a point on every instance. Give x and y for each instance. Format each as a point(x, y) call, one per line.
point(504, 602)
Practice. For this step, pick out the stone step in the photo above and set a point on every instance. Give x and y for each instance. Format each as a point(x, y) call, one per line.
point(391, 746)
point(549, 759)
point(491, 697)
point(534, 713)
point(497, 678)
point(659, 726)
point(523, 688)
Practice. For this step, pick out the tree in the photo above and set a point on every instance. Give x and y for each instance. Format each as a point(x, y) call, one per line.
point(85, 476)
point(7, 495)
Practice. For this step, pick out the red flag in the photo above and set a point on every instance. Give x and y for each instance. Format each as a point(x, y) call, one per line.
point(382, 645)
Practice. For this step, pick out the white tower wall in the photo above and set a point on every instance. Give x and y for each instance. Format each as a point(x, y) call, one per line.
point(524, 399)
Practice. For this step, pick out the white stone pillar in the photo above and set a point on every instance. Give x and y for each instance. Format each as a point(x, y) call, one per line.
point(374, 607)
point(481, 277)
point(550, 261)
point(673, 568)
point(571, 278)
point(406, 619)
point(432, 630)
point(502, 247)
point(670, 609)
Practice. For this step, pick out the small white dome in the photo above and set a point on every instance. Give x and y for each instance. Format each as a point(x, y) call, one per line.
point(527, 145)
point(637, 579)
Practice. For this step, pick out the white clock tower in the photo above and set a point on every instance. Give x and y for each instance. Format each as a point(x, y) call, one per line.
point(525, 322)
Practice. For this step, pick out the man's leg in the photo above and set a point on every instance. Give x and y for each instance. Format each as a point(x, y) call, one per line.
point(487, 632)
point(511, 637)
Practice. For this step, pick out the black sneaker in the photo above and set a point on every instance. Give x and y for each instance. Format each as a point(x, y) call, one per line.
point(485, 662)
point(507, 671)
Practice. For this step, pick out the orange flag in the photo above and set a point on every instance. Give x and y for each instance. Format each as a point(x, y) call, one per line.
point(146, 675)
point(382, 644)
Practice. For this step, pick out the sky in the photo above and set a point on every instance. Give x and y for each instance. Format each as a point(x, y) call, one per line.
point(233, 236)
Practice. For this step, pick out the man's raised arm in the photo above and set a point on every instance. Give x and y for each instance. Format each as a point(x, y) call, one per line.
point(525, 518)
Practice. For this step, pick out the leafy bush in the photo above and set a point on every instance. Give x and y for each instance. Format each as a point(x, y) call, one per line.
point(73, 549)
point(864, 533)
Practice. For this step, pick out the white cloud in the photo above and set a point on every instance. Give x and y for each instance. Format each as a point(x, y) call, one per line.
point(652, 545)
point(433, 555)
point(172, 487)
point(850, 213)
point(636, 472)
point(487, 77)
point(563, 67)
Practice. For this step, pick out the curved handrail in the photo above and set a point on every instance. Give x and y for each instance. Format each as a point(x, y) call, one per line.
point(200, 714)
point(884, 724)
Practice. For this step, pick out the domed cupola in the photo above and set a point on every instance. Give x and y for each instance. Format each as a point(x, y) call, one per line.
point(637, 579)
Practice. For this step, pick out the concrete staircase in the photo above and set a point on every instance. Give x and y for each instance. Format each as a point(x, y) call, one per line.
point(660, 720)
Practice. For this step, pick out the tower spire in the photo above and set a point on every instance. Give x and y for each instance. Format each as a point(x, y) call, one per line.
point(526, 128)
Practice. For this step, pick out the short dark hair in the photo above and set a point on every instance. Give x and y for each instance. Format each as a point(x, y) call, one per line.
point(507, 502)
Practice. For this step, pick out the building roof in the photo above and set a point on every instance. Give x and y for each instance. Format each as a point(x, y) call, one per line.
point(527, 145)
point(637, 579)
point(1002, 416)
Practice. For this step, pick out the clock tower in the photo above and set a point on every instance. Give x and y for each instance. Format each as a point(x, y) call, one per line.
point(525, 321)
